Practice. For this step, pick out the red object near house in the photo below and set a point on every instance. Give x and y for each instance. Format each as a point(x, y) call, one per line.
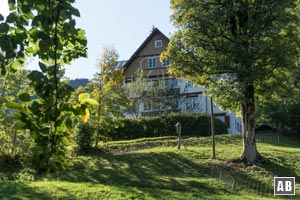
point(227, 121)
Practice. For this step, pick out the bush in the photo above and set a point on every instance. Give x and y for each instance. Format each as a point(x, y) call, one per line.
point(198, 125)
point(85, 138)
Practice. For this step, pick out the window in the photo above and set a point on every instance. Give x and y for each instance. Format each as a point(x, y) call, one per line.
point(156, 104)
point(166, 63)
point(158, 43)
point(190, 84)
point(169, 103)
point(147, 105)
point(172, 82)
point(238, 126)
point(173, 103)
point(192, 102)
point(151, 62)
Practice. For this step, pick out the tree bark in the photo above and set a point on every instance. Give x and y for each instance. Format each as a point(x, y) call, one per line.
point(250, 153)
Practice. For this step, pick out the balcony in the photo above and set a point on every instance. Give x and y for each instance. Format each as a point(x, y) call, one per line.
point(162, 92)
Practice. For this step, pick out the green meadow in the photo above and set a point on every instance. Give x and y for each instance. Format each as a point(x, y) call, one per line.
point(153, 168)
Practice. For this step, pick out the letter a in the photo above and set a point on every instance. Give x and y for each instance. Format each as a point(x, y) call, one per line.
point(280, 186)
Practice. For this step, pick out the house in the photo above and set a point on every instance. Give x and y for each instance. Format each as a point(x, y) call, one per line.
point(154, 91)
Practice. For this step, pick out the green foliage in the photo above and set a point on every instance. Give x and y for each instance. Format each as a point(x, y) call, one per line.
point(47, 31)
point(136, 91)
point(106, 89)
point(85, 138)
point(13, 141)
point(13, 41)
point(280, 107)
point(160, 94)
point(281, 114)
point(223, 45)
point(51, 127)
point(233, 48)
point(165, 126)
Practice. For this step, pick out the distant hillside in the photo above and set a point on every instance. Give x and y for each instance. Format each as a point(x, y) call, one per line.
point(75, 83)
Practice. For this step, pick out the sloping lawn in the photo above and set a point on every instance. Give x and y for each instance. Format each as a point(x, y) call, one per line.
point(153, 168)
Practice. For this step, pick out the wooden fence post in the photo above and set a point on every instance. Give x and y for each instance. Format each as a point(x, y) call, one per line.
point(178, 131)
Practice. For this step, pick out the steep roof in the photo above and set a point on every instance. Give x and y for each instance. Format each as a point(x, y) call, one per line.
point(154, 32)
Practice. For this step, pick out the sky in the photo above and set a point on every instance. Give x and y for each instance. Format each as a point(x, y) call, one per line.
point(122, 24)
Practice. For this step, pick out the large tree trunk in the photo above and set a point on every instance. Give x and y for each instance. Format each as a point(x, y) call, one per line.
point(249, 153)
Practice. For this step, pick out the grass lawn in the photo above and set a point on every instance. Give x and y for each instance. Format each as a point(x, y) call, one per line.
point(153, 168)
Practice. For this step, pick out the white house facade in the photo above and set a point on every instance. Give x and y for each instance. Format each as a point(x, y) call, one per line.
point(170, 95)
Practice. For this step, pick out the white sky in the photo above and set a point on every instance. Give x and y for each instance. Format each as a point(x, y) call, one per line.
point(3, 7)
point(123, 24)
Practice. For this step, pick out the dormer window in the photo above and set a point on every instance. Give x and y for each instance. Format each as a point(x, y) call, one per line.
point(158, 44)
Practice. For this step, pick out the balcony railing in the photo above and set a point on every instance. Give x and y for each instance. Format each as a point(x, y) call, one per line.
point(162, 92)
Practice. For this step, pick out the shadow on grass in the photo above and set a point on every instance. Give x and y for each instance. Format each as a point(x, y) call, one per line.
point(244, 174)
point(18, 190)
point(152, 170)
point(279, 170)
point(148, 170)
point(13, 190)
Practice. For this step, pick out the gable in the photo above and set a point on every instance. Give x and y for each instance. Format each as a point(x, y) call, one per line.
point(146, 50)
point(150, 49)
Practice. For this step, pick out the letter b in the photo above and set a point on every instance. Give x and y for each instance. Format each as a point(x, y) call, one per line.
point(288, 186)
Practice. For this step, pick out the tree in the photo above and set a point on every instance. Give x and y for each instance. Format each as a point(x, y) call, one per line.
point(79, 82)
point(13, 141)
point(193, 104)
point(106, 89)
point(232, 48)
point(13, 38)
point(45, 30)
point(280, 107)
point(159, 94)
point(135, 91)
point(162, 95)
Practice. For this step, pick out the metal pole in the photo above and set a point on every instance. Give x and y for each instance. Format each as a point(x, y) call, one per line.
point(212, 128)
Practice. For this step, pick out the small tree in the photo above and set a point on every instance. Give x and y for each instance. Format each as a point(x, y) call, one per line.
point(135, 91)
point(160, 94)
point(193, 104)
point(13, 141)
point(47, 31)
point(106, 89)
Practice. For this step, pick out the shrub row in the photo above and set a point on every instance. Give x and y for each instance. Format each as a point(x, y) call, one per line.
point(164, 125)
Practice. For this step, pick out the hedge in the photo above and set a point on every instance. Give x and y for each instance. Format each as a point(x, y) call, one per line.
point(164, 125)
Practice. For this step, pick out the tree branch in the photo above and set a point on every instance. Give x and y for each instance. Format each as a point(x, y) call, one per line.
point(56, 67)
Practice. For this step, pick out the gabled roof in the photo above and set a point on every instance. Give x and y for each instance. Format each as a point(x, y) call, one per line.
point(154, 32)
